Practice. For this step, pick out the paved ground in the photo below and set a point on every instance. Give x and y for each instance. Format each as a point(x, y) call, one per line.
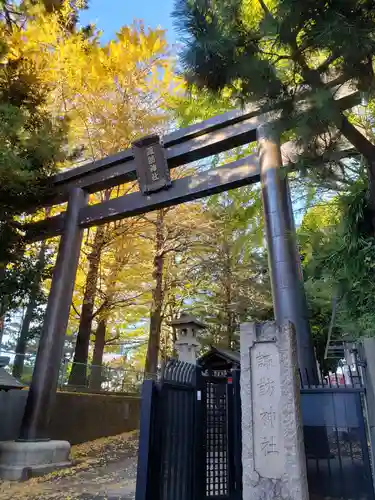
point(105, 469)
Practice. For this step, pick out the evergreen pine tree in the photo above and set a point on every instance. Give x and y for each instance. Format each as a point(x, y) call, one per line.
point(272, 51)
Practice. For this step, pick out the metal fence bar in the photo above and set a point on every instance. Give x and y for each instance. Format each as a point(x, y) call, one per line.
point(342, 490)
point(327, 390)
point(175, 445)
point(114, 380)
point(181, 447)
point(173, 454)
point(230, 430)
point(365, 451)
point(163, 448)
point(334, 380)
point(157, 465)
point(200, 452)
point(237, 435)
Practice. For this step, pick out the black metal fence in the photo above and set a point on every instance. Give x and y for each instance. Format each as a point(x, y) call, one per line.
point(336, 444)
point(104, 378)
point(98, 378)
point(190, 442)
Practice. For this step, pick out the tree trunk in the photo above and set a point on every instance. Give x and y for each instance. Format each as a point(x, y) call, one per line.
point(174, 338)
point(3, 304)
point(157, 299)
point(371, 183)
point(97, 360)
point(229, 319)
point(78, 375)
point(22, 340)
point(2, 327)
point(367, 149)
point(19, 360)
point(228, 295)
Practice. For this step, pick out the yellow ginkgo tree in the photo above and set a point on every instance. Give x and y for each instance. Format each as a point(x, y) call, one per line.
point(108, 94)
point(111, 93)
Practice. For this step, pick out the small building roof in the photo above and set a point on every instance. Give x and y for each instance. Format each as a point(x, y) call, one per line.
point(7, 381)
point(220, 359)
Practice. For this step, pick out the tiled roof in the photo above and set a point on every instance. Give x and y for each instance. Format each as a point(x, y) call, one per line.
point(216, 353)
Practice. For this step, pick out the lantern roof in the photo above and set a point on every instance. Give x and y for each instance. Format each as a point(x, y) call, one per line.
point(186, 319)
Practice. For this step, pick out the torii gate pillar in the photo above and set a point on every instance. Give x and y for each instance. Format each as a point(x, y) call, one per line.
point(288, 293)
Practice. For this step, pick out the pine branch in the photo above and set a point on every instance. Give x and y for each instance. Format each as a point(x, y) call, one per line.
point(359, 141)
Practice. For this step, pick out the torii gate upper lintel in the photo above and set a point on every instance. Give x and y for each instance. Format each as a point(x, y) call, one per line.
point(196, 142)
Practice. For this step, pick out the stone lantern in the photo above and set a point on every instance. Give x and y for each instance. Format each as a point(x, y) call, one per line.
point(187, 344)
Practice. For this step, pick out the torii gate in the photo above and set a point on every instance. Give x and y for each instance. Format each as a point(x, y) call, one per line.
point(151, 166)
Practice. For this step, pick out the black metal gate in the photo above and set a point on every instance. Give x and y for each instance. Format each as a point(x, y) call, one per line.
point(169, 457)
point(222, 444)
point(336, 444)
point(190, 441)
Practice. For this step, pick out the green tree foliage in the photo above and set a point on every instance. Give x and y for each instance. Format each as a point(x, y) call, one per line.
point(25, 296)
point(31, 146)
point(276, 52)
point(339, 262)
point(231, 270)
point(223, 278)
point(195, 105)
point(32, 142)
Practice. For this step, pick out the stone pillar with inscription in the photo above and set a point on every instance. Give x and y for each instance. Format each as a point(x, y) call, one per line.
point(273, 456)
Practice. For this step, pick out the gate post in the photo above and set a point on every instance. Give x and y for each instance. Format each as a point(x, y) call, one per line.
point(288, 293)
point(47, 366)
point(273, 455)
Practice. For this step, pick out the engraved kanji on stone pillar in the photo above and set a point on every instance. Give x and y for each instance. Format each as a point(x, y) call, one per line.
point(273, 456)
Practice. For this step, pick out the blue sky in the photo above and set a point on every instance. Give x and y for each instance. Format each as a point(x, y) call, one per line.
point(110, 15)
